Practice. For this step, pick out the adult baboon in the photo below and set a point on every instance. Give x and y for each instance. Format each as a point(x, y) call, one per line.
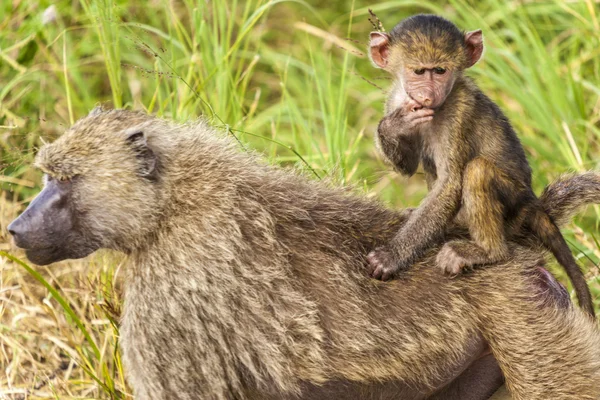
point(248, 281)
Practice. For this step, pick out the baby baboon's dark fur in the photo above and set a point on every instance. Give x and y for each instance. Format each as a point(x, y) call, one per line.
point(248, 281)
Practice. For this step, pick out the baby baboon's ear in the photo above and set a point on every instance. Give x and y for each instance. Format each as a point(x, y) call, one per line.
point(146, 157)
point(379, 49)
point(474, 44)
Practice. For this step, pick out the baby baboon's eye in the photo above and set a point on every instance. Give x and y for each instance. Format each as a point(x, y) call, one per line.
point(439, 70)
point(420, 71)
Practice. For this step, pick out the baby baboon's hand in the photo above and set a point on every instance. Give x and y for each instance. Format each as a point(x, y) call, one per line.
point(415, 114)
point(382, 264)
point(404, 120)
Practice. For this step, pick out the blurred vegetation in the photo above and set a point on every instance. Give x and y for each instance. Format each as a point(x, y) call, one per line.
point(287, 78)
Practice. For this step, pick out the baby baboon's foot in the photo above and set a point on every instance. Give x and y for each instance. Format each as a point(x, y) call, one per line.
point(382, 264)
point(451, 261)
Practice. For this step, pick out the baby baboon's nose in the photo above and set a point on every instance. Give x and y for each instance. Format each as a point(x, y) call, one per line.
point(426, 100)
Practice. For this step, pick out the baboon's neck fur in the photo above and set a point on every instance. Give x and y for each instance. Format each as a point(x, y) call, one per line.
point(261, 228)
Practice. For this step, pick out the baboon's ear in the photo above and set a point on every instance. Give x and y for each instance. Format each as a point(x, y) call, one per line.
point(146, 157)
point(379, 48)
point(474, 43)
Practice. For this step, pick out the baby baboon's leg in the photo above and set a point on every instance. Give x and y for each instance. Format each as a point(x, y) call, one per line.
point(484, 213)
point(459, 254)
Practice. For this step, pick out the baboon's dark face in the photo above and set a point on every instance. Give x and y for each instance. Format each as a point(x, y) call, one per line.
point(100, 191)
point(48, 229)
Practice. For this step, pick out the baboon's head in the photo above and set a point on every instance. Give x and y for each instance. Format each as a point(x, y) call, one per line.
point(100, 190)
point(426, 54)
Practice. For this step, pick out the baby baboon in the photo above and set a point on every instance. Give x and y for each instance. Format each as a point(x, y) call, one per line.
point(246, 281)
point(474, 163)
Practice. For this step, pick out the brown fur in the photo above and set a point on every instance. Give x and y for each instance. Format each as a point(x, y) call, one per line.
point(474, 163)
point(247, 281)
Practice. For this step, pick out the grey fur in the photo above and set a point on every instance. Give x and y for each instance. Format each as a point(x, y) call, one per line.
point(249, 281)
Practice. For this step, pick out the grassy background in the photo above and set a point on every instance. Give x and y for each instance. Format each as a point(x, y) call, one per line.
point(289, 78)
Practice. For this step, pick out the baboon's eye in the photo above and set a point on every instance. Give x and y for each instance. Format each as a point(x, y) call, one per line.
point(420, 71)
point(61, 178)
point(439, 70)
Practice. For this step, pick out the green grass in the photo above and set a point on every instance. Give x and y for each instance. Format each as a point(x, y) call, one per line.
point(282, 78)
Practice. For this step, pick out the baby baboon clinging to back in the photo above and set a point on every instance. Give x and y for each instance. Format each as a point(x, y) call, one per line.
point(475, 166)
point(246, 281)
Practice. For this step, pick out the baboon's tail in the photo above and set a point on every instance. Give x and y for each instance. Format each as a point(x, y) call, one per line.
point(560, 201)
point(565, 196)
point(546, 230)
